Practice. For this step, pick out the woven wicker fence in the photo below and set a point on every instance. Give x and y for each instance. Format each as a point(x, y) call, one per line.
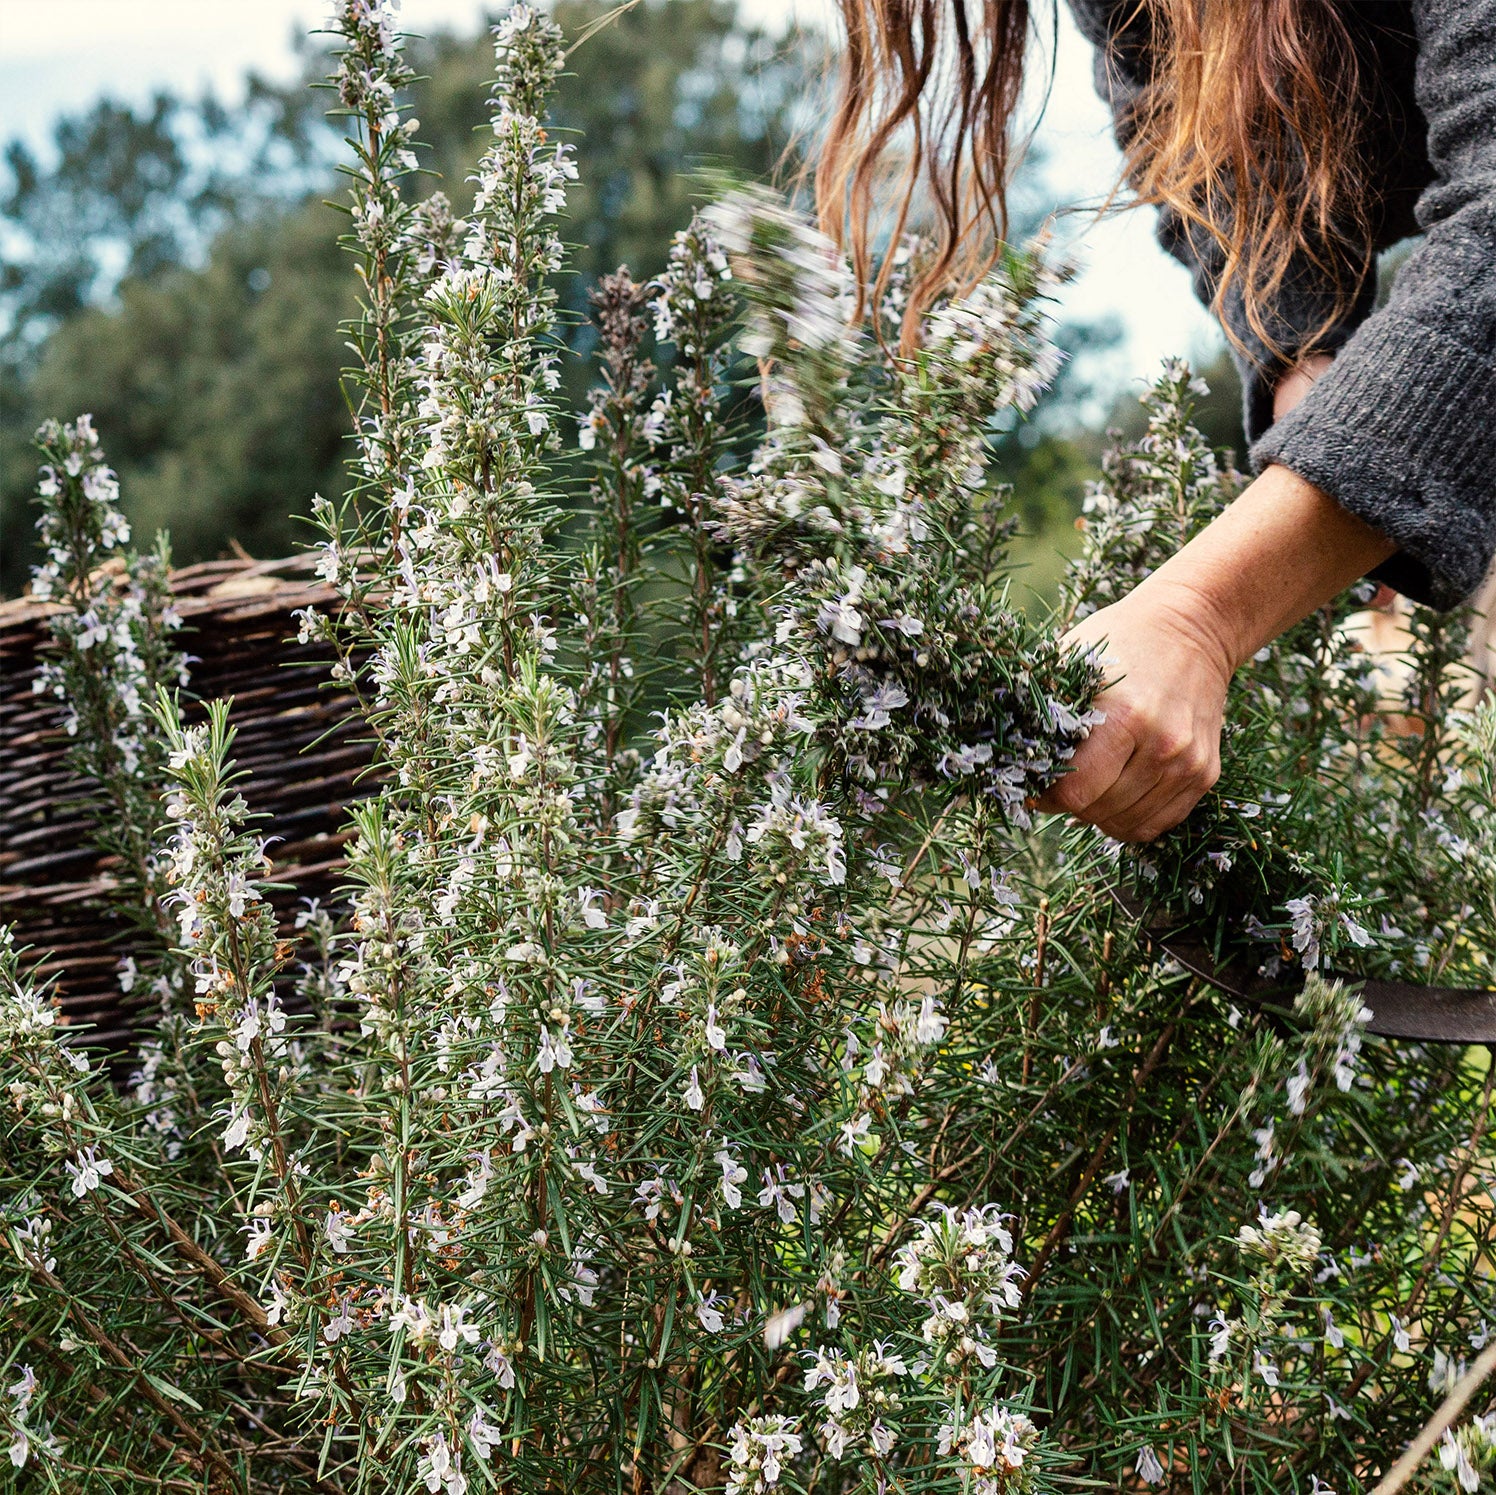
point(299, 738)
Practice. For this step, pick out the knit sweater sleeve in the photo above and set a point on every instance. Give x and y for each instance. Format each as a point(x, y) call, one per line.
point(1402, 428)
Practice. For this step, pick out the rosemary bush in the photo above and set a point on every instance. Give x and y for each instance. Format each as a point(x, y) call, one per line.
point(751, 1098)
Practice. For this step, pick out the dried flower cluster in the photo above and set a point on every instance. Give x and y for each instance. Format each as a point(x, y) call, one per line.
point(748, 1098)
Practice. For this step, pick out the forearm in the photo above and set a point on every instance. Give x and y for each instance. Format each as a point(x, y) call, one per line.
point(1282, 549)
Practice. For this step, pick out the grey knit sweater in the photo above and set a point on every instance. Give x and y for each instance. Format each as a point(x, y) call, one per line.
point(1402, 428)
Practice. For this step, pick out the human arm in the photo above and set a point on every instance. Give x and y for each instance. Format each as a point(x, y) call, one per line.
point(1401, 431)
point(1311, 303)
point(1282, 549)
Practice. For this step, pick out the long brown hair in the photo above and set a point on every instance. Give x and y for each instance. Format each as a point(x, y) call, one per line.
point(1247, 128)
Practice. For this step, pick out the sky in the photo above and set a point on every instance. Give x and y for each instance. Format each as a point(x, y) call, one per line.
point(58, 55)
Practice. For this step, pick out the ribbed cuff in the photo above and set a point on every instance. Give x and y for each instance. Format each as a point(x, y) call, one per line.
point(1401, 431)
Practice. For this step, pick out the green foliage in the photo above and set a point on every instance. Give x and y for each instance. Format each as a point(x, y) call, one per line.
point(133, 188)
point(219, 385)
point(763, 1103)
point(113, 647)
point(658, 93)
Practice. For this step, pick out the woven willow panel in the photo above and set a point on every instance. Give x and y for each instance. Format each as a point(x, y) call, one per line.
point(303, 744)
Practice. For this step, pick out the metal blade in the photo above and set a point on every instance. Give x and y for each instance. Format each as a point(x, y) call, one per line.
point(1399, 1009)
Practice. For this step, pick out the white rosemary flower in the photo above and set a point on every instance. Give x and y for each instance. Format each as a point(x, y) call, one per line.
point(87, 1171)
point(757, 1451)
point(1281, 1238)
point(1148, 1466)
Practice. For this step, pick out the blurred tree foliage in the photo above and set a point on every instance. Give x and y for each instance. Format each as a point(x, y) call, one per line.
point(218, 387)
point(174, 269)
point(132, 193)
point(1050, 465)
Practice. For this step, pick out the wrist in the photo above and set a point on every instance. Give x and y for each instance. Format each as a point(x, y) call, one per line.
point(1209, 623)
point(1298, 381)
point(1282, 549)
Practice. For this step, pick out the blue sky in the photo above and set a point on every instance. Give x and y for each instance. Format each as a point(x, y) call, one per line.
point(56, 55)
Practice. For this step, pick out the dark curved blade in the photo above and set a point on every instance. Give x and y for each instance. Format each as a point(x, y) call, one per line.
point(1428, 1014)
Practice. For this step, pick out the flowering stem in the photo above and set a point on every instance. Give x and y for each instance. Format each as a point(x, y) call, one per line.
point(1435, 1251)
point(150, 1209)
point(1041, 949)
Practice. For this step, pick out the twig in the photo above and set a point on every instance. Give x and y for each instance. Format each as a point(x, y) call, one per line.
point(191, 1252)
point(1058, 1230)
point(1449, 1409)
point(912, 865)
point(1041, 949)
point(207, 1455)
point(1104, 981)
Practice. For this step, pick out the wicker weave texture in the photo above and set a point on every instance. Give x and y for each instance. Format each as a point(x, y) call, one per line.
point(301, 741)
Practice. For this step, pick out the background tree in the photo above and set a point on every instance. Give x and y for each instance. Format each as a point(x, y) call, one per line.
point(174, 268)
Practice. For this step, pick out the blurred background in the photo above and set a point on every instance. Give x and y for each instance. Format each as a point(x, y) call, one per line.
point(168, 260)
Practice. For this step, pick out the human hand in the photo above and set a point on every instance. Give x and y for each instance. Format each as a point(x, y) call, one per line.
point(1277, 552)
point(1144, 768)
